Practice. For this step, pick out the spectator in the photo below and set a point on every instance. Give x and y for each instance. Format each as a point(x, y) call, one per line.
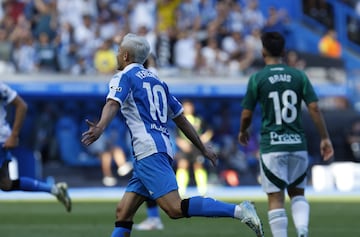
point(166, 28)
point(72, 11)
point(86, 38)
point(240, 56)
point(215, 58)
point(188, 16)
point(66, 47)
point(277, 20)
point(46, 54)
point(221, 25)
point(143, 14)
point(24, 55)
point(45, 18)
point(82, 67)
point(13, 9)
point(207, 13)
point(106, 22)
point(253, 17)
point(5, 53)
point(236, 17)
point(8, 21)
point(253, 43)
point(329, 46)
point(150, 35)
point(185, 43)
point(20, 30)
point(105, 58)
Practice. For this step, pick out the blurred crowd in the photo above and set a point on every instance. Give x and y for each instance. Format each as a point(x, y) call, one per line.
point(207, 37)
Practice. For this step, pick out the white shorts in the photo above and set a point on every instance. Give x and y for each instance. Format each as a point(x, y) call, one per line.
point(280, 170)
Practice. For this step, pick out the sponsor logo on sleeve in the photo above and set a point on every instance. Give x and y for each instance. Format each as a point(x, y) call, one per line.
point(116, 88)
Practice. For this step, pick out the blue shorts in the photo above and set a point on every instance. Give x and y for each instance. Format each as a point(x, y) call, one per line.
point(153, 176)
point(5, 155)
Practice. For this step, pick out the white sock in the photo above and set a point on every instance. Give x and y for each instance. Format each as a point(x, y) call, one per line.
point(278, 222)
point(300, 210)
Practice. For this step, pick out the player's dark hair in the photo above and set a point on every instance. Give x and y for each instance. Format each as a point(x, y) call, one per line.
point(274, 43)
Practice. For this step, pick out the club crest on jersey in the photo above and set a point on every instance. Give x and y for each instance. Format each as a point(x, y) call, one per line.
point(117, 88)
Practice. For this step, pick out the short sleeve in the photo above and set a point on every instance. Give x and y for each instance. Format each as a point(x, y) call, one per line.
point(119, 87)
point(250, 99)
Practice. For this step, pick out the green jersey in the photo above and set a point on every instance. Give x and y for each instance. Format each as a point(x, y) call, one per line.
point(280, 90)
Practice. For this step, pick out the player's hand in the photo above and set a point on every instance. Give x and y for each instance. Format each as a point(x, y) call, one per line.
point(210, 154)
point(92, 134)
point(326, 149)
point(11, 142)
point(243, 138)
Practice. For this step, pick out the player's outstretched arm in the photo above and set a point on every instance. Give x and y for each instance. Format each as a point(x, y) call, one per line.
point(95, 130)
point(185, 126)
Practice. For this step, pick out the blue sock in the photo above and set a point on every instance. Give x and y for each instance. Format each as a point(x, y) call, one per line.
point(153, 211)
point(119, 232)
point(29, 184)
point(209, 207)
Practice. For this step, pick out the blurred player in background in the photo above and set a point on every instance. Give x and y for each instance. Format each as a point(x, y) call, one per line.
point(280, 90)
point(189, 156)
point(107, 150)
point(9, 139)
point(146, 105)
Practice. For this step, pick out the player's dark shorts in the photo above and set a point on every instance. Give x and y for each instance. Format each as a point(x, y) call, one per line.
point(193, 156)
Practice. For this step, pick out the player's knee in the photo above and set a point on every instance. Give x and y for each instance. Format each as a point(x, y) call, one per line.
point(173, 212)
point(122, 213)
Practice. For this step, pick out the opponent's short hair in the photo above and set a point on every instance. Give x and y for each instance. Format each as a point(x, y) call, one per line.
point(138, 47)
point(274, 43)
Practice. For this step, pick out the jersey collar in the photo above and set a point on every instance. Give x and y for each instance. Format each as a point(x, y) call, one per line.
point(131, 66)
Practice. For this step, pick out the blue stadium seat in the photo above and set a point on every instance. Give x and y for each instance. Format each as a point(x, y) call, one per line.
point(70, 147)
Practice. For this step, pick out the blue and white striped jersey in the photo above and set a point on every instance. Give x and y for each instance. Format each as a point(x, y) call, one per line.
point(146, 105)
point(7, 95)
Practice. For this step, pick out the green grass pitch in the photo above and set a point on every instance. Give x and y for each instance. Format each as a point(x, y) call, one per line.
point(332, 217)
